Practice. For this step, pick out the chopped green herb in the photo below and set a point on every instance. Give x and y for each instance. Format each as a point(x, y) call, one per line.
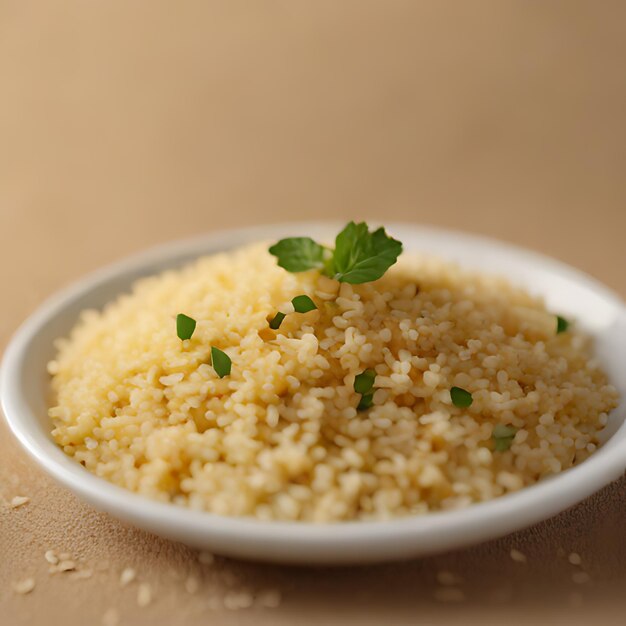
point(221, 362)
point(360, 256)
point(185, 326)
point(364, 382)
point(277, 320)
point(298, 254)
point(461, 398)
point(503, 436)
point(561, 324)
point(303, 304)
point(366, 402)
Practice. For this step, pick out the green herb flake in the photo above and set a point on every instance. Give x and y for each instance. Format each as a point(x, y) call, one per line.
point(185, 326)
point(561, 324)
point(366, 402)
point(364, 381)
point(299, 254)
point(277, 320)
point(303, 304)
point(221, 362)
point(461, 398)
point(362, 256)
point(503, 436)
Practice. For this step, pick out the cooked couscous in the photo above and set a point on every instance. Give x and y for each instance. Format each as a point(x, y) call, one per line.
point(345, 411)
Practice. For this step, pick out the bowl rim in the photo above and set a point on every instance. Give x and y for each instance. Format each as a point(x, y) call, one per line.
point(350, 541)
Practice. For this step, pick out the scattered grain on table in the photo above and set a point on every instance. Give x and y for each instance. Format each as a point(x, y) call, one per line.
point(517, 556)
point(127, 576)
point(62, 562)
point(67, 565)
point(18, 501)
point(24, 586)
point(51, 557)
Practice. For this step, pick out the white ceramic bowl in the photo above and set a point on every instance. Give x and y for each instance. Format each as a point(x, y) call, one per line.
point(24, 391)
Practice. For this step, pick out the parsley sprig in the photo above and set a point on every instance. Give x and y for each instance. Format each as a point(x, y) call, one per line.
point(359, 256)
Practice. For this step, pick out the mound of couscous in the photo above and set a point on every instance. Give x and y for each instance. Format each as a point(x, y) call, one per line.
point(346, 411)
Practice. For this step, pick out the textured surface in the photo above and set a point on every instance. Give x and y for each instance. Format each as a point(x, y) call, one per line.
point(126, 124)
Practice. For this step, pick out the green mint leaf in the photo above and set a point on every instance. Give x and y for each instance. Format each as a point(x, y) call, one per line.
point(461, 398)
point(185, 326)
point(277, 320)
point(366, 402)
point(503, 436)
point(221, 362)
point(303, 304)
point(361, 256)
point(364, 381)
point(561, 324)
point(298, 254)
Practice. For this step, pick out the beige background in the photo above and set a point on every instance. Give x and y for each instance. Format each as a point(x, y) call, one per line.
point(125, 124)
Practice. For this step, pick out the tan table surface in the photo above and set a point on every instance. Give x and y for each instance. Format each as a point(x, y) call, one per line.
point(125, 124)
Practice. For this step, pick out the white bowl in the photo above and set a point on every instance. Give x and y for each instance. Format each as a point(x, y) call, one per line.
point(24, 392)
